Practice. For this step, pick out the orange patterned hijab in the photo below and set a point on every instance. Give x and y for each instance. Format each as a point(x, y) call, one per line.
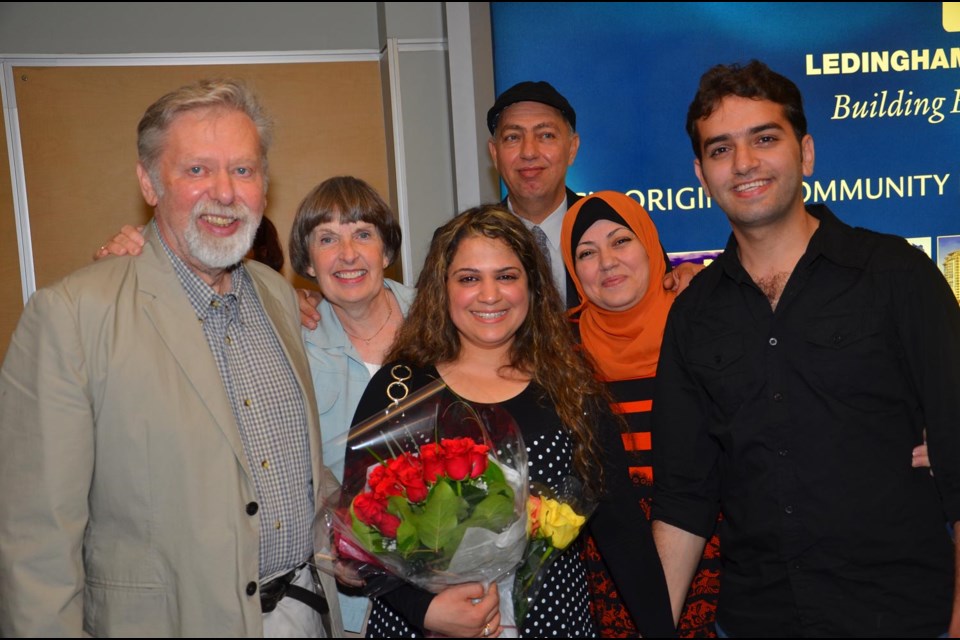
point(624, 344)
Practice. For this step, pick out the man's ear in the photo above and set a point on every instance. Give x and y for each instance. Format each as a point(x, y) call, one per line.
point(492, 148)
point(574, 147)
point(807, 155)
point(146, 186)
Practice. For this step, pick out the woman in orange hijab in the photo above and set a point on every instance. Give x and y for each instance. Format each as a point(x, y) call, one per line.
point(612, 250)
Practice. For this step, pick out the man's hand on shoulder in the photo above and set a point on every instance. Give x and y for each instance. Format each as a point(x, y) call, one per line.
point(681, 276)
point(309, 299)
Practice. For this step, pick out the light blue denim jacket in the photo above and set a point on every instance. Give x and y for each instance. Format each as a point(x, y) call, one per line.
point(339, 379)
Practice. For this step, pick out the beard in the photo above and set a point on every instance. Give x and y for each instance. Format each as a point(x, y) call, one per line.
point(215, 252)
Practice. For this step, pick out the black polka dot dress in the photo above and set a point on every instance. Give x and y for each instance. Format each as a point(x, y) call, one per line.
point(562, 607)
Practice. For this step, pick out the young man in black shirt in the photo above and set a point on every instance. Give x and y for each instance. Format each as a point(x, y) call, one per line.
point(798, 372)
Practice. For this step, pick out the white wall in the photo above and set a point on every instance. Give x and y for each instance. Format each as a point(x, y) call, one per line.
point(185, 27)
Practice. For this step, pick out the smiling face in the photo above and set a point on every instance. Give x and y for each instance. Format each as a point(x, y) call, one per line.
point(348, 260)
point(612, 266)
point(488, 294)
point(531, 149)
point(752, 164)
point(208, 189)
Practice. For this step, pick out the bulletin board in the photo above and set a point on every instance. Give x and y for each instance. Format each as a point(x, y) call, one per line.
point(78, 137)
point(11, 299)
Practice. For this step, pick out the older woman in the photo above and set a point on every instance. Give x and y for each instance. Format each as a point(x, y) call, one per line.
point(489, 322)
point(612, 248)
point(343, 237)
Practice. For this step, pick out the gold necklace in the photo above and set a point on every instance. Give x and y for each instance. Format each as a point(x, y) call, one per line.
point(377, 332)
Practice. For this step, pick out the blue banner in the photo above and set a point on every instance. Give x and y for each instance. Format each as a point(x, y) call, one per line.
point(881, 87)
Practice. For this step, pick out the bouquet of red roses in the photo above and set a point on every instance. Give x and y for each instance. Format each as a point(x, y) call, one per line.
point(434, 492)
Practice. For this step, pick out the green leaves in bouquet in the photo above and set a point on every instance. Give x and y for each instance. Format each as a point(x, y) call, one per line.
point(436, 527)
point(438, 522)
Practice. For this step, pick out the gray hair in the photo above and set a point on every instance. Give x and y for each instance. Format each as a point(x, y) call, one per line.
point(228, 94)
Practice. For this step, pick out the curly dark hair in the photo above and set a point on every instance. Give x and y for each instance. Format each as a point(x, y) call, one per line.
point(754, 80)
point(543, 346)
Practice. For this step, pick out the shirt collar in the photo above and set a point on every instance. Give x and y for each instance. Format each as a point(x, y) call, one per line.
point(201, 295)
point(829, 240)
point(551, 225)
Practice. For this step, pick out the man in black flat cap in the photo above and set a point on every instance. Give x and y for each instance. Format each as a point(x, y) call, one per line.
point(533, 141)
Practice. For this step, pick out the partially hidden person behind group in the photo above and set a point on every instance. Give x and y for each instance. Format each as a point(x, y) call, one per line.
point(266, 246)
point(533, 141)
point(612, 249)
point(798, 373)
point(159, 446)
point(489, 322)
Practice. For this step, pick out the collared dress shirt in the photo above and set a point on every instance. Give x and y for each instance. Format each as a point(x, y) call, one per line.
point(799, 423)
point(268, 406)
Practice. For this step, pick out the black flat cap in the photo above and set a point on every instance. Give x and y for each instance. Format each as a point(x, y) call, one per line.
point(542, 92)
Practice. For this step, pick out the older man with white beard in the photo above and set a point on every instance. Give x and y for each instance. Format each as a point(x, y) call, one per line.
point(159, 449)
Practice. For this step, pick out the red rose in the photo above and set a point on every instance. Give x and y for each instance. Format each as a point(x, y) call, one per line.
point(456, 458)
point(413, 484)
point(402, 463)
point(388, 525)
point(431, 457)
point(463, 458)
point(368, 508)
point(384, 483)
point(406, 473)
point(478, 460)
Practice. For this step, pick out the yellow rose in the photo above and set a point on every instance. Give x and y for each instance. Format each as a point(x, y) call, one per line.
point(559, 523)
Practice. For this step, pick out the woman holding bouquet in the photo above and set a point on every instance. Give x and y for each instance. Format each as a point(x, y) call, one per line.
point(489, 322)
point(612, 249)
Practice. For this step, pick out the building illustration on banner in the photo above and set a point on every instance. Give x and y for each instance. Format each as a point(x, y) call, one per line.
point(948, 259)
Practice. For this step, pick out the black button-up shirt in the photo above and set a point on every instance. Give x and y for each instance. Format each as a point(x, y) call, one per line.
point(799, 423)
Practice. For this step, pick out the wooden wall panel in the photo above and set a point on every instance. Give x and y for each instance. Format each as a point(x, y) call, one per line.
point(78, 130)
point(11, 295)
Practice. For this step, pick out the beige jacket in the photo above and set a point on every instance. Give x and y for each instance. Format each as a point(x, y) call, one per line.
point(123, 477)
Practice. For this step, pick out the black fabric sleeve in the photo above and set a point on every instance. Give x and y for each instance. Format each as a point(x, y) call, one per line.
point(686, 482)
point(928, 325)
point(407, 600)
point(625, 540)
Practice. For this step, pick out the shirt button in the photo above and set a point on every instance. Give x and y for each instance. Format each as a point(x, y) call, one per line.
point(788, 509)
point(247, 402)
point(228, 340)
point(251, 588)
point(778, 397)
point(265, 464)
point(276, 525)
point(773, 342)
point(252, 508)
